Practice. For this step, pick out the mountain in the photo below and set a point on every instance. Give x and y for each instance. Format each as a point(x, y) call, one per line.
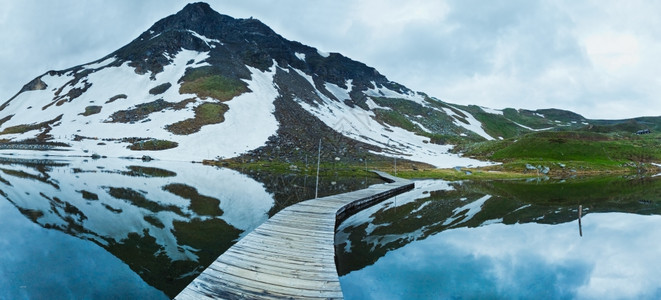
point(200, 85)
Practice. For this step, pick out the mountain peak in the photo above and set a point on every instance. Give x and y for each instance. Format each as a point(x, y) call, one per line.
point(200, 8)
point(199, 17)
point(199, 12)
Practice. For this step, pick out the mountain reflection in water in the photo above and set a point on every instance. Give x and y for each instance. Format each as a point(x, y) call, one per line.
point(166, 220)
point(118, 228)
point(506, 240)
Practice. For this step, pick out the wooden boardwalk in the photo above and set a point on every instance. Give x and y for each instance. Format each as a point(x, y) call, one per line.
point(292, 255)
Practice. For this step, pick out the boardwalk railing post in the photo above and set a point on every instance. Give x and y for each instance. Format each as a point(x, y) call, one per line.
point(316, 187)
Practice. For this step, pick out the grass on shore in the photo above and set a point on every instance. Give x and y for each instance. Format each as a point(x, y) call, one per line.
point(539, 154)
point(343, 169)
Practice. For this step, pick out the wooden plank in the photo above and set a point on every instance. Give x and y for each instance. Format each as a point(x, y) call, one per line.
point(318, 259)
point(258, 279)
point(275, 267)
point(231, 290)
point(301, 226)
point(284, 240)
point(295, 220)
point(310, 236)
point(284, 286)
point(291, 255)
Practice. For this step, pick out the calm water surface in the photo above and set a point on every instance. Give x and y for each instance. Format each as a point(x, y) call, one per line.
point(128, 229)
point(507, 240)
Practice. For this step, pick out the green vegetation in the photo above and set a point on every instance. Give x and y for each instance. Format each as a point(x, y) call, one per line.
point(25, 175)
point(138, 199)
point(150, 172)
point(23, 128)
point(91, 110)
point(160, 89)
point(570, 152)
point(339, 169)
point(200, 204)
point(495, 125)
point(113, 98)
point(528, 118)
point(153, 144)
point(145, 256)
point(89, 195)
point(395, 118)
point(437, 125)
point(196, 232)
point(537, 154)
point(205, 83)
point(462, 174)
point(205, 114)
point(142, 111)
point(592, 190)
point(5, 119)
point(154, 221)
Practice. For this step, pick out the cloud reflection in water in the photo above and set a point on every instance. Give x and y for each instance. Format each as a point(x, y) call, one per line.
point(617, 257)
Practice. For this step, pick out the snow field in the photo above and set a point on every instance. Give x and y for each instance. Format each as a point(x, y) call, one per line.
point(473, 124)
point(212, 141)
point(360, 125)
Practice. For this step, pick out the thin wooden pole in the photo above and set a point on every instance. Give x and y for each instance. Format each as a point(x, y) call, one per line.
point(580, 227)
point(316, 187)
point(395, 165)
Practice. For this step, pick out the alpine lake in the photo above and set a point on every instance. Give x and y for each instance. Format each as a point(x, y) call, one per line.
point(82, 228)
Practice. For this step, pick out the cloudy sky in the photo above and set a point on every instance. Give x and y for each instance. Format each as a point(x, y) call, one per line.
point(599, 58)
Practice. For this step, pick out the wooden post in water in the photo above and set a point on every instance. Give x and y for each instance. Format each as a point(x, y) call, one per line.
point(316, 187)
point(580, 228)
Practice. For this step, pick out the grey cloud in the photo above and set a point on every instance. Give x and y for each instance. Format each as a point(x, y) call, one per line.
point(493, 53)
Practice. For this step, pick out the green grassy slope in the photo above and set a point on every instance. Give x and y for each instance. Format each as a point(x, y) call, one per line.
point(571, 149)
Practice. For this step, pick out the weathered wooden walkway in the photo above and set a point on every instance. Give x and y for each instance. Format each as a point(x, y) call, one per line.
point(292, 255)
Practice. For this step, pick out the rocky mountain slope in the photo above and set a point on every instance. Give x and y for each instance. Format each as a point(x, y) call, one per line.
point(200, 85)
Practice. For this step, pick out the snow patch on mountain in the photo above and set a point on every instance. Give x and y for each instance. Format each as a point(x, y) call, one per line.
point(492, 111)
point(205, 39)
point(473, 124)
point(529, 128)
point(300, 56)
point(339, 93)
point(382, 91)
point(372, 105)
point(209, 143)
point(358, 124)
point(421, 126)
point(240, 121)
point(307, 77)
